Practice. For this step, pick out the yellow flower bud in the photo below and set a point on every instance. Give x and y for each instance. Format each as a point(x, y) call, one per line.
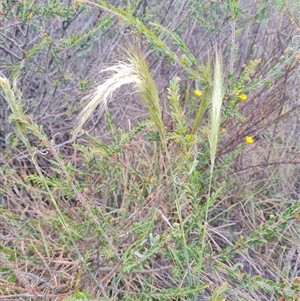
point(183, 60)
point(249, 139)
point(242, 97)
point(190, 138)
point(197, 93)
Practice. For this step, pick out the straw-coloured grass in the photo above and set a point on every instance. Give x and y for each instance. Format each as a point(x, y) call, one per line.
point(133, 70)
point(217, 100)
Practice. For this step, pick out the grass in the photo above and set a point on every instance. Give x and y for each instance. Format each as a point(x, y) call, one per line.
point(135, 72)
point(176, 206)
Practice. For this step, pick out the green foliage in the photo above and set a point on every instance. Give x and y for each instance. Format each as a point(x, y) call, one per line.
point(175, 108)
point(158, 209)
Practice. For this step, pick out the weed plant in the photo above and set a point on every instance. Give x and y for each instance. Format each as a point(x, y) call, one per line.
point(198, 199)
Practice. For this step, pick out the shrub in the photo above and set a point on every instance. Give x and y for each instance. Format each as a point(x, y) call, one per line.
point(191, 192)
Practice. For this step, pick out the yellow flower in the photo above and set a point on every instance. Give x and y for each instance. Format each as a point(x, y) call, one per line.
point(249, 139)
point(242, 97)
point(197, 93)
point(30, 15)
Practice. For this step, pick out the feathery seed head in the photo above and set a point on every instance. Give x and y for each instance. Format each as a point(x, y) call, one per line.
point(134, 71)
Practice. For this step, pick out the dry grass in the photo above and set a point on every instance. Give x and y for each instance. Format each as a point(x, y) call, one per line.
point(134, 71)
point(215, 219)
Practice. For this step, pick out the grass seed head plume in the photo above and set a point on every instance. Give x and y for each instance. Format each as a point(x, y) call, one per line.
point(132, 71)
point(12, 95)
point(217, 100)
